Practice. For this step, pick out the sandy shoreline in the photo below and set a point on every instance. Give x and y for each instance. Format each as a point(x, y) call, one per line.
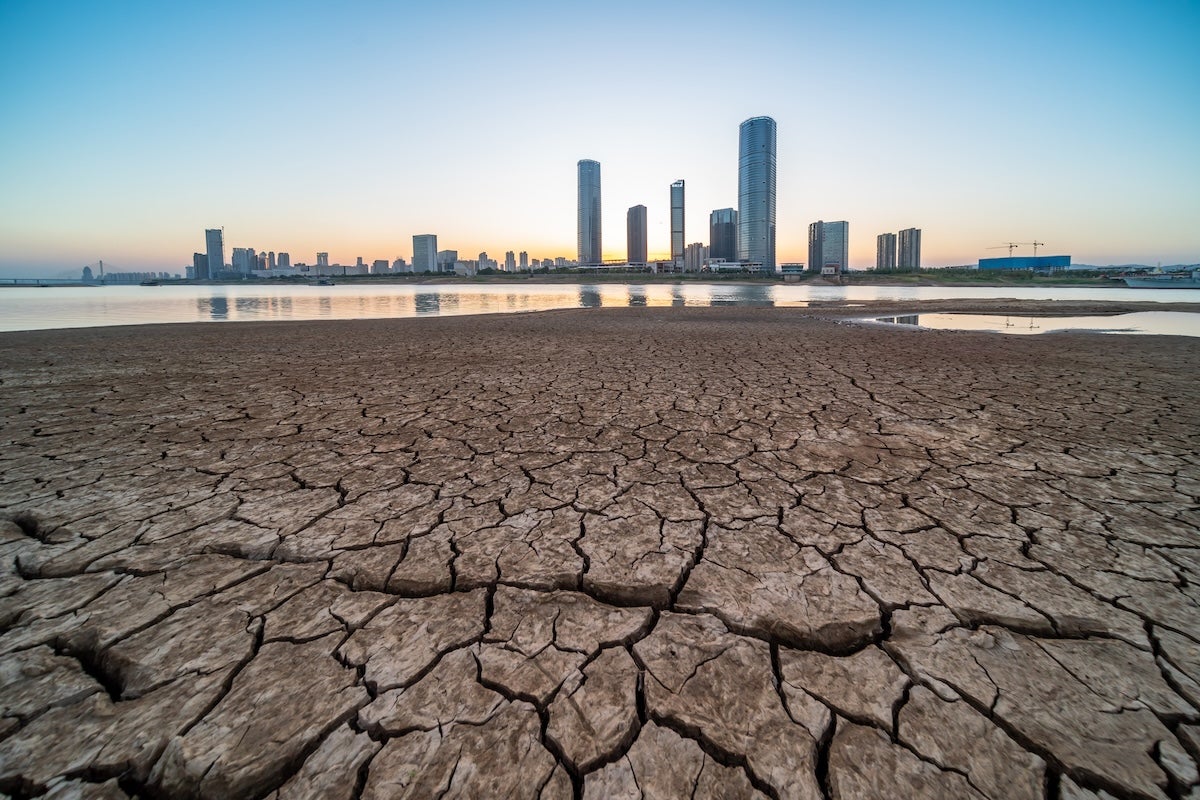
point(726, 552)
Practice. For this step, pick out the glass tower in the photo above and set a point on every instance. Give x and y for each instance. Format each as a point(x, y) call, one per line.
point(635, 235)
point(214, 240)
point(756, 192)
point(677, 235)
point(722, 234)
point(589, 212)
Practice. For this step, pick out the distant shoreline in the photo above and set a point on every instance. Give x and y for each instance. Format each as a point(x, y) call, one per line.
point(865, 279)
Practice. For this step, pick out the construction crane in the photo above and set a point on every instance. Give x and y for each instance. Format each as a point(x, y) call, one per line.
point(1014, 245)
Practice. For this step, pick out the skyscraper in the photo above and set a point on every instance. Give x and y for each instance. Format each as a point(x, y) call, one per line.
point(756, 192)
point(885, 252)
point(241, 259)
point(284, 261)
point(214, 238)
point(524, 259)
point(424, 252)
point(635, 235)
point(589, 212)
point(910, 249)
point(722, 234)
point(199, 267)
point(828, 245)
point(510, 261)
point(677, 240)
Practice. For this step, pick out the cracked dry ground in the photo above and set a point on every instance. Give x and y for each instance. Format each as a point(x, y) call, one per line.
point(633, 553)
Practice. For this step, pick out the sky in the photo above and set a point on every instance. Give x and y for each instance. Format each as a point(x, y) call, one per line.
point(128, 128)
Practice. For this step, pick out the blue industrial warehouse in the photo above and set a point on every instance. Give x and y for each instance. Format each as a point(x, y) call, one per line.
point(1026, 262)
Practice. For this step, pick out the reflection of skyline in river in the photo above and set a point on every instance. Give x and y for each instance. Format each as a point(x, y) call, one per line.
point(745, 296)
point(75, 307)
point(589, 296)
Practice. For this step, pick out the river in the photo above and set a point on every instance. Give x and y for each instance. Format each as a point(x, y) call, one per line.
point(34, 308)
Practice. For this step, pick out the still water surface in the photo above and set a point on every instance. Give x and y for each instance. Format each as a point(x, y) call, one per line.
point(34, 308)
point(1167, 323)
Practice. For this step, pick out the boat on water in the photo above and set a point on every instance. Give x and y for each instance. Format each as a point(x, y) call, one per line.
point(150, 283)
point(1166, 280)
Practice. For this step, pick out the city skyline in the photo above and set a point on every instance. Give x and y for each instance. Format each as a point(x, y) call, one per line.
point(1076, 132)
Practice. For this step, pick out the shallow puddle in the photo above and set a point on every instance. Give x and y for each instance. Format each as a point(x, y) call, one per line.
point(1169, 323)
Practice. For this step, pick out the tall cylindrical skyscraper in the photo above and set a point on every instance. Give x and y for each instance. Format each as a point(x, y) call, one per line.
point(589, 212)
point(756, 192)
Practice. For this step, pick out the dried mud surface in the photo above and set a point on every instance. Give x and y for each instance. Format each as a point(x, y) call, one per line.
point(634, 553)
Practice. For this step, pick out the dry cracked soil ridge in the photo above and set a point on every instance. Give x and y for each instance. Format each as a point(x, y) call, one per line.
point(611, 554)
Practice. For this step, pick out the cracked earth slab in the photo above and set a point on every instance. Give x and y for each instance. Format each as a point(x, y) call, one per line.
point(626, 553)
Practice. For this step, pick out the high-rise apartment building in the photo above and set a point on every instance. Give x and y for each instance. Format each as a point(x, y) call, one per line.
point(885, 252)
point(242, 258)
point(816, 240)
point(910, 249)
point(271, 260)
point(424, 252)
point(722, 234)
point(214, 239)
point(524, 260)
point(677, 234)
point(284, 260)
point(589, 212)
point(510, 261)
point(199, 267)
point(322, 259)
point(756, 192)
point(635, 235)
point(828, 246)
point(694, 256)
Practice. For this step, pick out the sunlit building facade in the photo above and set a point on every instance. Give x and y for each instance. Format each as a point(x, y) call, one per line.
point(756, 192)
point(589, 212)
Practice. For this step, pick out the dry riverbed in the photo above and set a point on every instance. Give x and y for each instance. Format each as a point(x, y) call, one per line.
point(657, 553)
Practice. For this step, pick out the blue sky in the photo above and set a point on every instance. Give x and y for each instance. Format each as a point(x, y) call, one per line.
point(305, 126)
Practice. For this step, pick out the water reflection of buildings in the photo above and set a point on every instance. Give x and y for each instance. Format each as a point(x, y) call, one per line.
point(589, 296)
point(215, 307)
point(751, 295)
point(427, 302)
